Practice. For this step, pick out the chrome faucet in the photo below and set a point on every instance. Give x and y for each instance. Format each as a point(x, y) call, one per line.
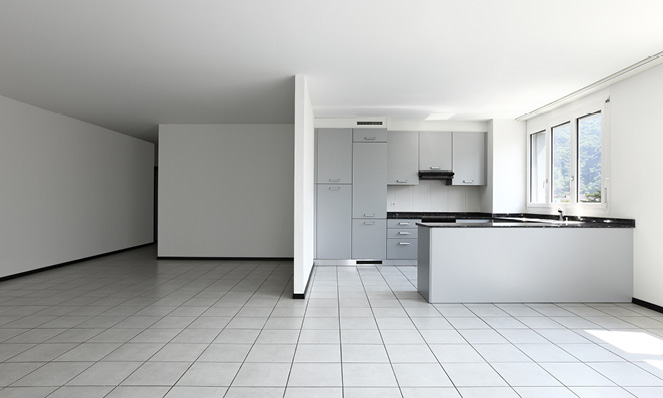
point(561, 214)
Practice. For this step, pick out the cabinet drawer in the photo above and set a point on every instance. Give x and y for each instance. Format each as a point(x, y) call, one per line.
point(402, 233)
point(369, 135)
point(402, 223)
point(402, 249)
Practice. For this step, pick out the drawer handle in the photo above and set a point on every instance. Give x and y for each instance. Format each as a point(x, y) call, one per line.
point(401, 181)
point(369, 222)
point(435, 167)
point(403, 223)
point(334, 180)
point(334, 188)
point(404, 233)
point(404, 243)
point(369, 138)
point(369, 215)
point(468, 181)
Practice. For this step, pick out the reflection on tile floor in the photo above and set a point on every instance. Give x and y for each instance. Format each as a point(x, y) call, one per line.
point(127, 325)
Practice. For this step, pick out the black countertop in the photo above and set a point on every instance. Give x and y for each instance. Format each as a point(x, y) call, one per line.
point(510, 220)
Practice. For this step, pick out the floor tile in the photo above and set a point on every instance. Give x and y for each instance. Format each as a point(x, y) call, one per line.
point(196, 392)
point(254, 392)
point(134, 352)
point(138, 392)
point(225, 353)
point(473, 375)
point(26, 392)
point(601, 392)
point(359, 392)
point(525, 375)
point(54, 374)
point(429, 392)
point(404, 353)
point(315, 375)
point(453, 353)
point(318, 353)
point(81, 392)
point(421, 375)
point(262, 375)
point(626, 374)
point(157, 374)
point(545, 392)
point(10, 372)
point(271, 353)
point(368, 375)
point(487, 392)
point(576, 375)
point(208, 374)
point(179, 352)
point(105, 374)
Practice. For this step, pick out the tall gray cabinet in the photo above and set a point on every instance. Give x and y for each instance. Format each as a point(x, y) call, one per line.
point(333, 226)
point(351, 193)
point(369, 193)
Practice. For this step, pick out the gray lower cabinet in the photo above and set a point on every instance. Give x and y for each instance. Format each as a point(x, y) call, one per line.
point(369, 191)
point(334, 156)
point(469, 159)
point(402, 239)
point(369, 239)
point(402, 249)
point(403, 158)
point(333, 221)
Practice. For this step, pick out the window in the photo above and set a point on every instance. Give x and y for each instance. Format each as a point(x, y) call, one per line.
point(561, 163)
point(589, 159)
point(566, 161)
point(538, 179)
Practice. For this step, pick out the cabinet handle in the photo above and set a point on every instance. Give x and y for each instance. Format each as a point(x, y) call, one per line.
point(369, 138)
point(369, 215)
point(401, 181)
point(334, 180)
point(403, 223)
point(435, 167)
point(404, 233)
point(404, 243)
point(369, 222)
point(468, 181)
point(334, 188)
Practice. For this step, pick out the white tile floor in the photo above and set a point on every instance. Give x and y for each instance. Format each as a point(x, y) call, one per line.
point(127, 325)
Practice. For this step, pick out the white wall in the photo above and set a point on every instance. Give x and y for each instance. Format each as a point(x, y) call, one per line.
point(508, 174)
point(433, 196)
point(226, 190)
point(636, 189)
point(68, 189)
point(304, 209)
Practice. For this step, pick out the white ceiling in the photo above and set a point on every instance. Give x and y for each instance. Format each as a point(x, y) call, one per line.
point(129, 65)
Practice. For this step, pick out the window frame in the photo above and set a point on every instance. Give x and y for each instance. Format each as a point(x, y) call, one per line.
point(544, 125)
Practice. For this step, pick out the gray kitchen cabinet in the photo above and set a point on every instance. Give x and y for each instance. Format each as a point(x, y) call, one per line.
point(334, 156)
point(403, 158)
point(469, 159)
point(369, 239)
point(333, 227)
point(369, 190)
point(369, 135)
point(435, 150)
point(402, 239)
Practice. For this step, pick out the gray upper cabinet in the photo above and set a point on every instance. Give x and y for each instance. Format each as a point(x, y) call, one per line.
point(369, 135)
point(403, 158)
point(334, 156)
point(435, 150)
point(333, 228)
point(469, 159)
point(369, 191)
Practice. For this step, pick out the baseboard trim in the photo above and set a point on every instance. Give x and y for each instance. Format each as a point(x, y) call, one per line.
point(50, 267)
point(647, 304)
point(225, 258)
point(301, 296)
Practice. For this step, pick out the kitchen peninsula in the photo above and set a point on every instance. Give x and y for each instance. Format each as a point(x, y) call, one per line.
point(525, 259)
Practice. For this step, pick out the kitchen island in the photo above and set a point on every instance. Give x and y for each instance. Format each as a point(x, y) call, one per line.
point(514, 259)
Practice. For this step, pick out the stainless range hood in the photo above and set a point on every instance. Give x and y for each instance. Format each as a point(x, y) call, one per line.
point(444, 175)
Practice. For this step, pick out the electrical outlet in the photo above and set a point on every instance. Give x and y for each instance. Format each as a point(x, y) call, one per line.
point(393, 204)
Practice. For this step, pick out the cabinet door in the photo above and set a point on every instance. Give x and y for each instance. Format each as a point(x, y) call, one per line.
point(435, 150)
point(403, 158)
point(369, 190)
point(334, 156)
point(333, 226)
point(469, 159)
point(369, 135)
point(369, 239)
